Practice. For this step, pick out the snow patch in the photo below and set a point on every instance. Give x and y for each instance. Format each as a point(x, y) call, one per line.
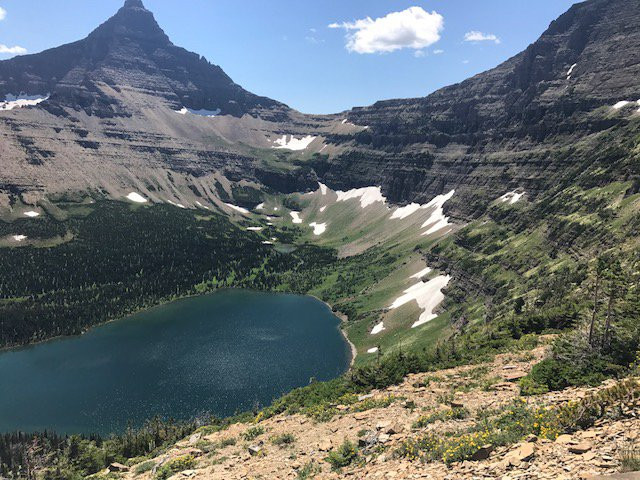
point(267, 242)
point(260, 207)
point(296, 217)
point(511, 197)
point(19, 238)
point(21, 101)
point(323, 188)
point(237, 208)
point(367, 195)
point(294, 143)
point(621, 104)
point(179, 205)
point(373, 350)
point(255, 229)
point(428, 295)
point(404, 212)
point(437, 221)
point(31, 214)
point(571, 71)
point(136, 198)
point(322, 209)
point(318, 228)
point(200, 113)
point(421, 273)
point(202, 206)
point(378, 329)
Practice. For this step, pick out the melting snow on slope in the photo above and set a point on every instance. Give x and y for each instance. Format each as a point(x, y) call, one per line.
point(318, 228)
point(621, 104)
point(296, 217)
point(255, 229)
point(20, 101)
point(136, 198)
point(378, 329)
point(511, 197)
point(322, 209)
point(179, 205)
point(421, 273)
point(19, 238)
point(260, 207)
point(367, 195)
point(31, 214)
point(571, 71)
point(202, 206)
point(404, 212)
point(428, 295)
point(200, 113)
point(373, 350)
point(323, 188)
point(293, 143)
point(437, 221)
point(237, 208)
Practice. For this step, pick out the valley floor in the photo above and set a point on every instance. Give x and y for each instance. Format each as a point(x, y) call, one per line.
point(385, 422)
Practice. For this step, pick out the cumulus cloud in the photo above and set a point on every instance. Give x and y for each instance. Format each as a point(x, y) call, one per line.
point(12, 50)
point(438, 52)
point(3, 13)
point(476, 36)
point(411, 28)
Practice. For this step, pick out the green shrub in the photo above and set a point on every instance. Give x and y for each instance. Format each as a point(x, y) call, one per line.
point(284, 439)
point(343, 456)
point(253, 433)
point(528, 387)
point(144, 467)
point(629, 457)
point(178, 464)
point(309, 471)
point(443, 415)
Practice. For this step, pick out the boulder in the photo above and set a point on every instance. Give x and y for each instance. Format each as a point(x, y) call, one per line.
point(482, 453)
point(580, 448)
point(118, 468)
point(255, 450)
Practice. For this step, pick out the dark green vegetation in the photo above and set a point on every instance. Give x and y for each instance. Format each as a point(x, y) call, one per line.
point(123, 259)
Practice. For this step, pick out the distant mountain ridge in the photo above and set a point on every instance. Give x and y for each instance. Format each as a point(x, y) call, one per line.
point(127, 109)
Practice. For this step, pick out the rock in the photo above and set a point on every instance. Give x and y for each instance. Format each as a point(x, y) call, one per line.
point(195, 438)
point(365, 397)
point(620, 476)
point(384, 438)
point(118, 467)
point(580, 448)
point(514, 376)
point(564, 439)
point(255, 450)
point(325, 445)
point(482, 453)
point(532, 438)
point(523, 453)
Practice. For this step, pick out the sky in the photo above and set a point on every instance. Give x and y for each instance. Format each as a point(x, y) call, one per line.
point(317, 56)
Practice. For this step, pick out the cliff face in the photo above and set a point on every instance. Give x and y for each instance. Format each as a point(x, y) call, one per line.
point(125, 108)
point(516, 126)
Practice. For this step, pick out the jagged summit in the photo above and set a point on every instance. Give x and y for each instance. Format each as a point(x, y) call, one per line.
point(128, 50)
point(134, 4)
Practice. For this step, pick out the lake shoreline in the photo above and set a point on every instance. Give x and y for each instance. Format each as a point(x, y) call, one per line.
point(342, 317)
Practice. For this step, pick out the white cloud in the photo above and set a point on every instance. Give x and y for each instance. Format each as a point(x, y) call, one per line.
point(3, 13)
point(476, 36)
point(411, 28)
point(12, 50)
point(438, 52)
point(419, 53)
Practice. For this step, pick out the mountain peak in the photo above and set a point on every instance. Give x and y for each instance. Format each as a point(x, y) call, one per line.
point(134, 4)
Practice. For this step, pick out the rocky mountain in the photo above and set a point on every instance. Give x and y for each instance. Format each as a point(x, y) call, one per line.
point(519, 125)
point(125, 108)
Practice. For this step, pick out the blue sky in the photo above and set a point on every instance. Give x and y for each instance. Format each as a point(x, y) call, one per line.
point(285, 49)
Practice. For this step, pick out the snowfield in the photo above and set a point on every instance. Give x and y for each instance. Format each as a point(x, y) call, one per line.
point(367, 196)
point(570, 72)
point(19, 238)
point(318, 228)
point(437, 221)
point(296, 217)
point(136, 198)
point(255, 229)
point(31, 214)
point(428, 295)
point(200, 113)
point(323, 188)
point(511, 197)
point(378, 329)
point(422, 273)
point(237, 208)
point(21, 101)
point(293, 143)
point(179, 205)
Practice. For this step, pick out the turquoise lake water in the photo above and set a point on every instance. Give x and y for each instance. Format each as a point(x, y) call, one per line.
point(220, 354)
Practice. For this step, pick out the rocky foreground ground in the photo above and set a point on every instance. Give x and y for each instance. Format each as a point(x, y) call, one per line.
point(297, 446)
